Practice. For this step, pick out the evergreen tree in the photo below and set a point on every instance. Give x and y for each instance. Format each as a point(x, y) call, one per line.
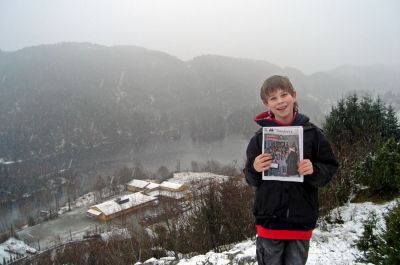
point(391, 238)
point(356, 127)
point(381, 248)
point(360, 124)
point(380, 170)
point(391, 127)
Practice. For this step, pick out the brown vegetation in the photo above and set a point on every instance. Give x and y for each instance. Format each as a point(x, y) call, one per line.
point(220, 214)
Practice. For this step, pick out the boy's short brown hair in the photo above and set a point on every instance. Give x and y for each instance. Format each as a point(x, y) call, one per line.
point(273, 83)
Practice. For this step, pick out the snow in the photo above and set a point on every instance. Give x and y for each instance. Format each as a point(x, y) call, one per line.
point(332, 245)
point(152, 186)
point(134, 199)
point(15, 246)
point(122, 233)
point(173, 194)
point(2, 161)
point(337, 244)
point(165, 193)
point(85, 200)
point(93, 212)
point(152, 99)
point(154, 193)
point(171, 185)
point(141, 184)
point(187, 177)
point(177, 181)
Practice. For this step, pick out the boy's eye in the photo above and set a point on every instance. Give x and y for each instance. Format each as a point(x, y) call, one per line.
point(272, 98)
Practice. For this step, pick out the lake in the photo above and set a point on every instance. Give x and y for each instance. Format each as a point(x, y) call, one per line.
point(108, 159)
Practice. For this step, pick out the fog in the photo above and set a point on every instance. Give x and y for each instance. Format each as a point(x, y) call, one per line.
point(311, 35)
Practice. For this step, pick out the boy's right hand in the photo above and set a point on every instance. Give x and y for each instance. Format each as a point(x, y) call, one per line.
point(262, 162)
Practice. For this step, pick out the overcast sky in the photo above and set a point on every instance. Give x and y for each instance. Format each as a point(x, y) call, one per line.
point(312, 35)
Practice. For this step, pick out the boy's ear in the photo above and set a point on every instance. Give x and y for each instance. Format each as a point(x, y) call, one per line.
point(294, 95)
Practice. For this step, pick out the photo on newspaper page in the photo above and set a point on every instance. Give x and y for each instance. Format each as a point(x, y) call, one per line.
point(285, 144)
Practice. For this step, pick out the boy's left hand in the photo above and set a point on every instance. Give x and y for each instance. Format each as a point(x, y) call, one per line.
point(305, 167)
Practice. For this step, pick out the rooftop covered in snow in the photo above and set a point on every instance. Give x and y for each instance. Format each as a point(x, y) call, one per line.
point(123, 203)
point(138, 183)
point(172, 186)
point(187, 177)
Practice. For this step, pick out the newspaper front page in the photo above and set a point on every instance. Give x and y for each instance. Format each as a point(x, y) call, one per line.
point(285, 144)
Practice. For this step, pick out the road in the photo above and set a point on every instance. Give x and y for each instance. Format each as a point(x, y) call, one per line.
point(69, 226)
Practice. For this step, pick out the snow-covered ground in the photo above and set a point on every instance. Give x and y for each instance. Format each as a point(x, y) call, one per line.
point(332, 245)
point(12, 246)
point(336, 243)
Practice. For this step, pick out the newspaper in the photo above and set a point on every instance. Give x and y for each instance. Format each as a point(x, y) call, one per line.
point(285, 144)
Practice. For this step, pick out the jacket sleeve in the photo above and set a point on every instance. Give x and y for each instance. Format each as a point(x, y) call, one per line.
point(253, 177)
point(324, 162)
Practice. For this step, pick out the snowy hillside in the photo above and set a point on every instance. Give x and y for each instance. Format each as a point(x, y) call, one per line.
point(331, 244)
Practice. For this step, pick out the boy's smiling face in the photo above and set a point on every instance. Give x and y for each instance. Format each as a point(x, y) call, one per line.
point(281, 104)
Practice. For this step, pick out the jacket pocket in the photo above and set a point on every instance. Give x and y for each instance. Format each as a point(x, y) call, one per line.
point(268, 201)
point(303, 204)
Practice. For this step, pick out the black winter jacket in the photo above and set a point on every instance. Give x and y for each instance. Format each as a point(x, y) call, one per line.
point(283, 205)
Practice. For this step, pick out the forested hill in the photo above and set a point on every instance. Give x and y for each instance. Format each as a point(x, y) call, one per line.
point(71, 96)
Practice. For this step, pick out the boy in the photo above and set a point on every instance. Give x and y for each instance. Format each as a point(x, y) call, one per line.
point(286, 212)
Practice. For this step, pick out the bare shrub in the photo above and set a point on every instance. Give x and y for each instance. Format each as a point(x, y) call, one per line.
point(97, 252)
point(220, 215)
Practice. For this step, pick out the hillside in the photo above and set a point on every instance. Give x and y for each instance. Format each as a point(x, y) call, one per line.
point(75, 105)
point(331, 244)
point(70, 96)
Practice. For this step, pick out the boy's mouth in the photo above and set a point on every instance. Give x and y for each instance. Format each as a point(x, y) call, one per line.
point(281, 108)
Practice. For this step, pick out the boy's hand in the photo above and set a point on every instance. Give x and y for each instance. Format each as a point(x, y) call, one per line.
point(305, 167)
point(262, 162)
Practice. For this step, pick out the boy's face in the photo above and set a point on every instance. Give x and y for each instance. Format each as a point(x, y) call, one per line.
point(281, 104)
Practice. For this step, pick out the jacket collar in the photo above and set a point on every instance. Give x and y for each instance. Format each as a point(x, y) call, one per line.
point(265, 119)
